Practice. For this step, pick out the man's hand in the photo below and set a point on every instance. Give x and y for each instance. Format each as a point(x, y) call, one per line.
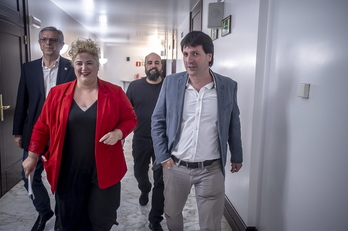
point(236, 167)
point(18, 140)
point(168, 163)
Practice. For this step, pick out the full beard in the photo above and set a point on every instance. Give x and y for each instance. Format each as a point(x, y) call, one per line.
point(153, 74)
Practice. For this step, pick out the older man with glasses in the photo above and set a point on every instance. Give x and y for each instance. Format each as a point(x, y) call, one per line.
point(37, 78)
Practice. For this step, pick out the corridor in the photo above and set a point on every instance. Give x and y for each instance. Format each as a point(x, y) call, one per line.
point(18, 214)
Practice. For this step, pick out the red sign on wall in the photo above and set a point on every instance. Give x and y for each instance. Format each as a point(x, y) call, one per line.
point(137, 64)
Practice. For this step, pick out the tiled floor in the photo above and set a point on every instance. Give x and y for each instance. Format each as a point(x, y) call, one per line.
point(18, 214)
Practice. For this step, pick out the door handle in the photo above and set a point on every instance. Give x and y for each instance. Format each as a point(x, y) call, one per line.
point(2, 108)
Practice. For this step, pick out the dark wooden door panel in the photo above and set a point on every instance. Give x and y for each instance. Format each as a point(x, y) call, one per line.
point(12, 55)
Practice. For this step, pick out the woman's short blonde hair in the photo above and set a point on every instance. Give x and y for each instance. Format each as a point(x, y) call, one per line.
point(84, 46)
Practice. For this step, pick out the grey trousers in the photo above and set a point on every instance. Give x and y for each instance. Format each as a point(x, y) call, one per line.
point(209, 189)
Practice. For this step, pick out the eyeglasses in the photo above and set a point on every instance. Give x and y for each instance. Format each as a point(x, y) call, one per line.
point(51, 40)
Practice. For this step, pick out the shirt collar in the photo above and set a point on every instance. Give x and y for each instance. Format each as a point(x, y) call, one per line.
point(209, 85)
point(55, 64)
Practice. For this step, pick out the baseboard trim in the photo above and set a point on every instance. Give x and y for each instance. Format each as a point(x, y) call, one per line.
point(233, 218)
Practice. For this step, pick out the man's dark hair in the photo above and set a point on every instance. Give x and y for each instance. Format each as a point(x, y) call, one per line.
point(196, 38)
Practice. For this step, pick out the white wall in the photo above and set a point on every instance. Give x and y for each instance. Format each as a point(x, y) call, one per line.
point(119, 69)
point(235, 57)
point(304, 158)
point(52, 15)
point(183, 29)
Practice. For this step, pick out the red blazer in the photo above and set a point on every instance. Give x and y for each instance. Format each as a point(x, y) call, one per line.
point(113, 111)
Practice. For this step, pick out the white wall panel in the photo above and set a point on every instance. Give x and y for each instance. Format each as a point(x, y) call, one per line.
point(235, 57)
point(304, 160)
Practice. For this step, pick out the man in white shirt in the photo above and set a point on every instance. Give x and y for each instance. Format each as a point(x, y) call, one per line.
point(37, 78)
point(195, 118)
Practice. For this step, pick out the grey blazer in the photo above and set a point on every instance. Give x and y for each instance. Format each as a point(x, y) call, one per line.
point(167, 116)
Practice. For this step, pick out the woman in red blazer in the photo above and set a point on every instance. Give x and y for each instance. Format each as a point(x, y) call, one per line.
point(84, 122)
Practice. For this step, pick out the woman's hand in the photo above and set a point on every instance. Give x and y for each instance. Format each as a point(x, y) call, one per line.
point(29, 164)
point(111, 138)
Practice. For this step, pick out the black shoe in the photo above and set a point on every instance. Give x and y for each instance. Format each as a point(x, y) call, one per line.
point(155, 227)
point(144, 199)
point(41, 221)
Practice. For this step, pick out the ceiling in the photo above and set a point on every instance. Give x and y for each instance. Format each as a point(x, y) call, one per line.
point(127, 21)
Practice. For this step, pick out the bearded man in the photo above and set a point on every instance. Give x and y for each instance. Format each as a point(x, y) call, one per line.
point(143, 94)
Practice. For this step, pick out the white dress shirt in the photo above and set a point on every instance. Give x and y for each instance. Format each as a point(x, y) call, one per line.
point(50, 76)
point(199, 135)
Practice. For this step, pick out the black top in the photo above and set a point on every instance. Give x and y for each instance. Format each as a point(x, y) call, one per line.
point(143, 97)
point(78, 154)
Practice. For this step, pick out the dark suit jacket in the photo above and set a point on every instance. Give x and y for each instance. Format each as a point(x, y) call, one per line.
point(31, 95)
point(167, 117)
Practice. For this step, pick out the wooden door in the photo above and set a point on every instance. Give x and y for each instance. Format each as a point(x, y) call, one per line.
point(196, 17)
point(12, 55)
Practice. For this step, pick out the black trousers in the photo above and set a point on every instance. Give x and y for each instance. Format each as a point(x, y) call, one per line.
point(143, 153)
point(42, 200)
point(83, 206)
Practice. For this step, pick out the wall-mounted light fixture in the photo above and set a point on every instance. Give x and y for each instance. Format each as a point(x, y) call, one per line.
point(103, 60)
point(35, 22)
point(103, 20)
point(64, 49)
